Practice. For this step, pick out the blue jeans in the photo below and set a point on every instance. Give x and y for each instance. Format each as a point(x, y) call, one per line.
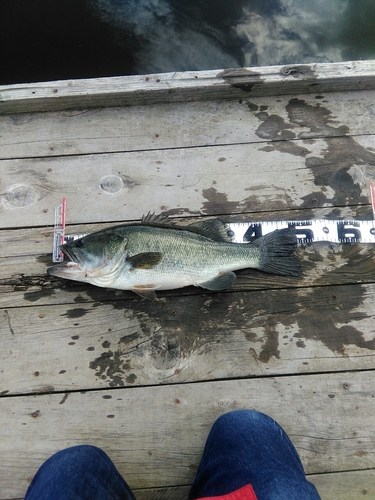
point(243, 447)
point(248, 447)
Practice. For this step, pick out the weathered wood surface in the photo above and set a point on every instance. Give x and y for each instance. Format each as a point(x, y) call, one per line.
point(25, 255)
point(187, 338)
point(187, 86)
point(144, 430)
point(300, 349)
point(191, 124)
point(192, 181)
point(331, 486)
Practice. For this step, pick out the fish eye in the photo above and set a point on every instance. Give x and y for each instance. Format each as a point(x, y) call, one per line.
point(79, 243)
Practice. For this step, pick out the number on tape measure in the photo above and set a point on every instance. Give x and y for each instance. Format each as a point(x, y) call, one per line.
point(335, 231)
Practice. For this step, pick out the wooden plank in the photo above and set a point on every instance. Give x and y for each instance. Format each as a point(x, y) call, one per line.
point(25, 255)
point(187, 86)
point(189, 124)
point(332, 486)
point(144, 430)
point(37, 241)
point(24, 280)
point(355, 485)
point(187, 338)
point(194, 181)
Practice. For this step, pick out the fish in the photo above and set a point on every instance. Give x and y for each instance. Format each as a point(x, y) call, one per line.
point(157, 254)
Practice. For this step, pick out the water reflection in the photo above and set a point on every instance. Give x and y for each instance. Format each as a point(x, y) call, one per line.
point(60, 39)
point(178, 35)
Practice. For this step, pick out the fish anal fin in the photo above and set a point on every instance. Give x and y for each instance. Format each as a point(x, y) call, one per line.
point(220, 282)
point(145, 260)
point(146, 291)
point(215, 229)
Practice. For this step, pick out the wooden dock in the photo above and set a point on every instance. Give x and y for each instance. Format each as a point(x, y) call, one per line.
point(145, 380)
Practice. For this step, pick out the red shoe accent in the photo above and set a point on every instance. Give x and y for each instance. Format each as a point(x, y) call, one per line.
point(244, 493)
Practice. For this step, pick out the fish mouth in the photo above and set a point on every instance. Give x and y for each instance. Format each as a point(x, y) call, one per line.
point(69, 254)
point(69, 270)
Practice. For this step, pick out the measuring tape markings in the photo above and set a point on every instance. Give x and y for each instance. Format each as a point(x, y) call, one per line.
point(334, 231)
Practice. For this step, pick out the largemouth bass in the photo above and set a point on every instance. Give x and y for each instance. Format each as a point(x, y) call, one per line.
point(157, 255)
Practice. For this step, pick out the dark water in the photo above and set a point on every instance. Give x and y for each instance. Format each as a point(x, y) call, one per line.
point(59, 39)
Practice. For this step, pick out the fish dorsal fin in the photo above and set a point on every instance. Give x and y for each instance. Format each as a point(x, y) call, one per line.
point(157, 219)
point(215, 229)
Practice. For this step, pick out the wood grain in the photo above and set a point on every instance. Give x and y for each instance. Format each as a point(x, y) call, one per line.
point(190, 124)
point(187, 86)
point(143, 430)
point(194, 181)
point(331, 486)
point(144, 380)
point(187, 338)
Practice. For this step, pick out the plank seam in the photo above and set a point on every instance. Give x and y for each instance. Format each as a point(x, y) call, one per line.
point(193, 382)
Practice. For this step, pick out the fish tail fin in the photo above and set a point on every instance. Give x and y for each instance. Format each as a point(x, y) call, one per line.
point(277, 253)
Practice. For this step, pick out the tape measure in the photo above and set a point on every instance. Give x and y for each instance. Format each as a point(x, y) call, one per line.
point(334, 231)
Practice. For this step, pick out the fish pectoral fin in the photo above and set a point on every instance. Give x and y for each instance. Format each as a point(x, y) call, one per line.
point(221, 282)
point(146, 291)
point(145, 260)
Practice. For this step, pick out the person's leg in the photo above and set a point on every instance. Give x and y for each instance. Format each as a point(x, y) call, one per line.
point(79, 473)
point(248, 447)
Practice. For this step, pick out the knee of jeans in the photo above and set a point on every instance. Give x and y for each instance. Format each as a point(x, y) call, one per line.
point(81, 451)
point(239, 418)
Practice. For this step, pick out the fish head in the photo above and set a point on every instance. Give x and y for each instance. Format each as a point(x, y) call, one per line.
point(96, 258)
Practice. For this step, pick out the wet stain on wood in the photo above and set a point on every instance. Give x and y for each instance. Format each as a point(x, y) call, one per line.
point(130, 379)
point(110, 366)
point(321, 315)
point(289, 147)
point(273, 127)
point(169, 332)
point(241, 78)
point(334, 168)
point(78, 312)
point(218, 203)
point(317, 118)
